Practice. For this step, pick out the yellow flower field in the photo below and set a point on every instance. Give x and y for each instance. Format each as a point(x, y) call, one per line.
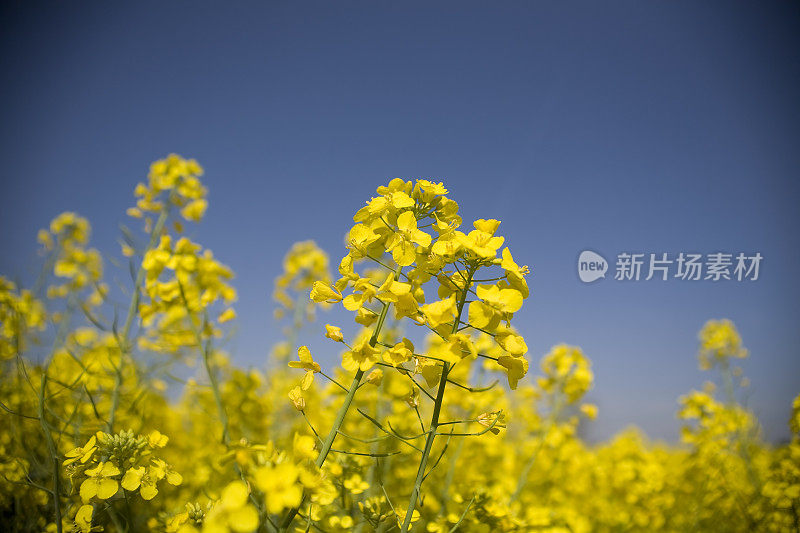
point(102, 430)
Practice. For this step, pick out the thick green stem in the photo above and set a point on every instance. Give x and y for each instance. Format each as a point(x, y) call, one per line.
point(427, 451)
point(337, 424)
point(122, 338)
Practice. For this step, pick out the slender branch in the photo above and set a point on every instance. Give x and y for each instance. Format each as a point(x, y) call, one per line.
point(461, 518)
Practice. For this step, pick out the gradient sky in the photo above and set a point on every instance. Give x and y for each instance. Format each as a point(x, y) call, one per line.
point(616, 126)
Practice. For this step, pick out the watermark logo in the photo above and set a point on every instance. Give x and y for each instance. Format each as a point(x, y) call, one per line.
point(591, 266)
point(629, 266)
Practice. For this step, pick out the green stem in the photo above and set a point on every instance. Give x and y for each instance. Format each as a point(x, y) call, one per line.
point(437, 406)
point(427, 451)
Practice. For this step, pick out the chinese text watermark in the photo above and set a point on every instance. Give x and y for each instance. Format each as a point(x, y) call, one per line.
point(662, 266)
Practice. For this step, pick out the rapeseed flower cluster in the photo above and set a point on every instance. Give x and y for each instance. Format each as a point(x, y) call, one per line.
point(132, 417)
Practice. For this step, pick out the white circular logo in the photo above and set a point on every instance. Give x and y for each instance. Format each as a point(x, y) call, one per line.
point(591, 266)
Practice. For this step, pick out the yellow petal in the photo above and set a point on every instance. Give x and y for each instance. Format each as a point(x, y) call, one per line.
point(88, 489)
point(308, 379)
point(243, 520)
point(406, 221)
point(148, 491)
point(305, 354)
point(234, 495)
point(132, 478)
point(83, 518)
point(174, 478)
point(106, 488)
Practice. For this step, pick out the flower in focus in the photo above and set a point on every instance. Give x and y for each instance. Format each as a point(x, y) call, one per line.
point(306, 362)
point(361, 357)
point(101, 482)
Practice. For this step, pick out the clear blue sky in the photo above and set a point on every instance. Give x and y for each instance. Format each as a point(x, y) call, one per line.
point(614, 126)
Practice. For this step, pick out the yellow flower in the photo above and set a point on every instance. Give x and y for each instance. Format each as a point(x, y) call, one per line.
point(399, 353)
point(487, 226)
point(401, 243)
point(361, 356)
point(430, 369)
point(363, 293)
point(503, 300)
point(794, 422)
point(322, 292)
point(493, 421)
point(279, 485)
point(401, 516)
point(514, 273)
point(454, 349)
point(100, 482)
point(303, 447)
point(308, 363)
point(195, 210)
point(431, 187)
point(360, 238)
point(73, 226)
point(233, 512)
point(334, 333)
point(440, 312)
point(447, 245)
point(157, 440)
point(512, 343)
point(494, 305)
point(516, 368)
point(355, 484)
point(392, 198)
point(162, 470)
point(343, 522)
point(375, 377)
point(480, 242)
point(137, 478)
point(365, 317)
point(566, 370)
point(83, 518)
point(226, 315)
point(719, 341)
point(296, 395)
point(405, 303)
point(589, 410)
point(83, 453)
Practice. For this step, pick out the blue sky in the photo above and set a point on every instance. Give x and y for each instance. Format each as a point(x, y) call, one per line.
point(622, 126)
